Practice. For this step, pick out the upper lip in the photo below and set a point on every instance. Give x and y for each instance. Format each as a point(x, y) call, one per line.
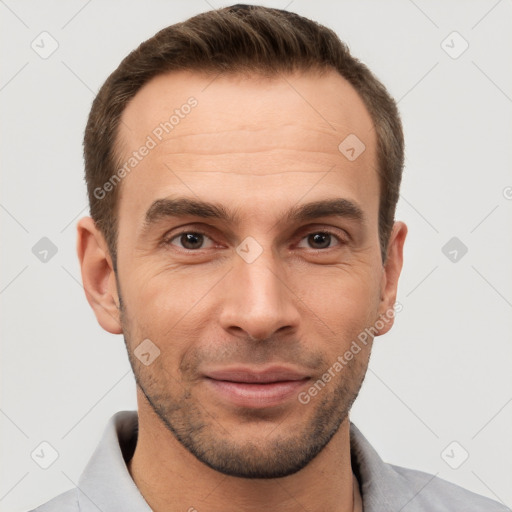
point(256, 375)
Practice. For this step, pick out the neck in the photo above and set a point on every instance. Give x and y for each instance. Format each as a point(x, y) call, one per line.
point(171, 479)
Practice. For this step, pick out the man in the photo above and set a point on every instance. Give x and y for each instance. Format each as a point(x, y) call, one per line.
point(243, 171)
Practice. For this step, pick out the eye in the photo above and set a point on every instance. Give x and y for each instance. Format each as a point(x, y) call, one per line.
point(190, 240)
point(320, 240)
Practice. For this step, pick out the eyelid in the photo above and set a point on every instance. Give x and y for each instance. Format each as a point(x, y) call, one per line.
point(339, 233)
point(304, 232)
point(340, 239)
point(167, 238)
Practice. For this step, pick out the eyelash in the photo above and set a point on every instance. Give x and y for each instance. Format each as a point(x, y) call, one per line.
point(168, 240)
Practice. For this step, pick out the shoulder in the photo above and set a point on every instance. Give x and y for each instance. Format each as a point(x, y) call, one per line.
point(67, 501)
point(390, 488)
point(434, 493)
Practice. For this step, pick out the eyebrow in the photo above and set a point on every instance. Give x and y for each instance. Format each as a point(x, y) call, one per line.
point(181, 207)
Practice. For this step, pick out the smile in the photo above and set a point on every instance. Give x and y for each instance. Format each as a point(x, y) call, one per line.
point(256, 389)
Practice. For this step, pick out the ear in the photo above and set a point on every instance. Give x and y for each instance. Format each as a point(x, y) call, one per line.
point(98, 275)
point(390, 274)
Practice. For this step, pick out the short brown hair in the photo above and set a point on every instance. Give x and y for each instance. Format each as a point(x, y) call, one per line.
point(239, 39)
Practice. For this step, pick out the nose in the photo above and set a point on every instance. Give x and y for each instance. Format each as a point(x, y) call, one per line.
point(258, 302)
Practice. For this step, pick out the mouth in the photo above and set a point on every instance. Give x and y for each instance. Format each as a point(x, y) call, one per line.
point(256, 388)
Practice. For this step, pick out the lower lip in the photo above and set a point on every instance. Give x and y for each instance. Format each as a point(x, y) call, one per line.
point(255, 395)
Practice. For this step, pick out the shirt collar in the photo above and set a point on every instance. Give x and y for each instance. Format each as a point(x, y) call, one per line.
point(107, 485)
point(383, 489)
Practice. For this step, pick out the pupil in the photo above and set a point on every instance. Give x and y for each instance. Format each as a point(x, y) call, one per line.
point(321, 240)
point(191, 240)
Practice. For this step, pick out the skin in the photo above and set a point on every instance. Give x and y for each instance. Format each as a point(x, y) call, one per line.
point(259, 147)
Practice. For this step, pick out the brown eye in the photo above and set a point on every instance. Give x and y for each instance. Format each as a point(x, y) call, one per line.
point(190, 240)
point(320, 240)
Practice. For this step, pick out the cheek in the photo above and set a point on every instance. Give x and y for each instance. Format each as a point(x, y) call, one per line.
point(170, 309)
point(340, 292)
point(338, 306)
point(162, 293)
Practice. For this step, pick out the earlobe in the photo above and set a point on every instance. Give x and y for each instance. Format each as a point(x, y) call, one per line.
point(98, 276)
point(391, 274)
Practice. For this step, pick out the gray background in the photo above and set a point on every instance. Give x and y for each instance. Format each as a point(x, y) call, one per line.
point(441, 375)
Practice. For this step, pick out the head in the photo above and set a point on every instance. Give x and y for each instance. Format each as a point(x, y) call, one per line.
point(243, 171)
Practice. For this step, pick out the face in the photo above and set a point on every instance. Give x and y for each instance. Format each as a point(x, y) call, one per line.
point(248, 256)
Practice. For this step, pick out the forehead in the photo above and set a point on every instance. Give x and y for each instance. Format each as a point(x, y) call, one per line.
point(326, 106)
point(272, 138)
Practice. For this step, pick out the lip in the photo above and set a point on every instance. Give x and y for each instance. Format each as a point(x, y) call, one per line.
point(255, 388)
point(256, 375)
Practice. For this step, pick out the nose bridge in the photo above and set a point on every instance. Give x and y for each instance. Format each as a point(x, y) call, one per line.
point(258, 300)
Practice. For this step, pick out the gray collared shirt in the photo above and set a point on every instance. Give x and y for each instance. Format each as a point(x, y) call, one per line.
point(106, 484)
